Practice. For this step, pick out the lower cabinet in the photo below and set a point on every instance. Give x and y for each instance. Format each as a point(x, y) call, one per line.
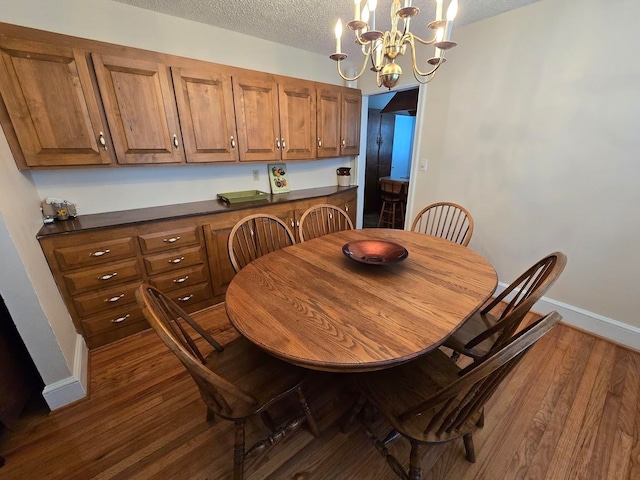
point(98, 271)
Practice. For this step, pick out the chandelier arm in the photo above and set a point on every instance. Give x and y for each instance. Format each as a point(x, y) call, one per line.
point(423, 41)
point(416, 70)
point(350, 79)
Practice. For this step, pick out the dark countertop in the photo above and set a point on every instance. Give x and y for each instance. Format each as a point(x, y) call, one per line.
point(139, 215)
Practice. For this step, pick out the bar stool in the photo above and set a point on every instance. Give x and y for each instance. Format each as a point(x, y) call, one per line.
point(392, 211)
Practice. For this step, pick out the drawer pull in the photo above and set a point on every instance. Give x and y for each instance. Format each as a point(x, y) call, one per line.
point(187, 298)
point(233, 143)
point(102, 141)
point(319, 143)
point(171, 240)
point(175, 141)
point(120, 319)
point(181, 280)
point(100, 253)
point(114, 299)
point(108, 276)
point(176, 260)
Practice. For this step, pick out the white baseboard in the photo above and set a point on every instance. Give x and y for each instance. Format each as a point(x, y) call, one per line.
point(608, 328)
point(73, 388)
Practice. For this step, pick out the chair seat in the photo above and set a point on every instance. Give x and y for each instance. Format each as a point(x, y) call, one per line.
point(474, 326)
point(256, 372)
point(395, 390)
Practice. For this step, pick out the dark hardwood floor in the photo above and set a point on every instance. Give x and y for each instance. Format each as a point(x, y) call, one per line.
point(571, 410)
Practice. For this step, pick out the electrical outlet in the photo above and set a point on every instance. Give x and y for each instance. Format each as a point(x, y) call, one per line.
point(423, 165)
point(256, 175)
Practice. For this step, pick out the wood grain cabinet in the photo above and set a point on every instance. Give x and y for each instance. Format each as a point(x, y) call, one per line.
point(207, 118)
point(338, 120)
point(98, 270)
point(54, 107)
point(276, 119)
point(141, 109)
point(348, 201)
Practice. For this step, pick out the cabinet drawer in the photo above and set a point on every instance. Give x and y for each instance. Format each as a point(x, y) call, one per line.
point(158, 242)
point(117, 318)
point(174, 260)
point(179, 279)
point(191, 295)
point(95, 253)
point(104, 276)
point(106, 299)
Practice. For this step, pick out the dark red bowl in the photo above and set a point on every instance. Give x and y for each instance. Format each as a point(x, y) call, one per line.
point(375, 252)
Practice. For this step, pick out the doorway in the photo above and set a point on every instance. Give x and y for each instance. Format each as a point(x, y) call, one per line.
point(390, 133)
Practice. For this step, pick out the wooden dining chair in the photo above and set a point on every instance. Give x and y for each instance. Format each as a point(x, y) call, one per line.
point(445, 220)
point(392, 211)
point(492, 326)
point(257, 235)
point(236, 381)
point(321, 220)
point(427, 401)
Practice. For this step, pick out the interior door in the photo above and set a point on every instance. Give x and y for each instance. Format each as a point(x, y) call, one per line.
point(380, 131)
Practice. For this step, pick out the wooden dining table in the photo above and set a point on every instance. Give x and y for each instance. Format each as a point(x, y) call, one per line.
point(313, 306)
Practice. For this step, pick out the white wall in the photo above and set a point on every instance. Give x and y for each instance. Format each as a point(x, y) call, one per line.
point(533, 126)
point(56, 351)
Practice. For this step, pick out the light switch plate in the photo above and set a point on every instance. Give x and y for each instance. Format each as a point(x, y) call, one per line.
point(423, 165)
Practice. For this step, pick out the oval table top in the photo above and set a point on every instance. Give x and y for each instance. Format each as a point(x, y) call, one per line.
point(312, 306)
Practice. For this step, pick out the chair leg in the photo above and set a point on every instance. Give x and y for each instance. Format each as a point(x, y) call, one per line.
point(353, 413)
point(384, 204)
point(311, 421)
point(468, 446)
point(238, 451)
point(211, 417)
point(414, 461)
point(480, 422)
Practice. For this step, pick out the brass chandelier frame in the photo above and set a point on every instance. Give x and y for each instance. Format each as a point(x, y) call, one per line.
point(383, 48)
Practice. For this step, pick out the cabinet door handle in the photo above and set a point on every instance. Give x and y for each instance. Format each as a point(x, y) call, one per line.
point(233, 143)
point(114, 299)
point(120, 319)
point(319, 142)
point(344, 143)
point(175, 141)
point(100, 253)
point(278, 143)
point(181, 280)
point(102, 140)
point(284, 145)
point(346, 208)
point(108, 276)
point(171, 240)
point(176, 260)
point(187, 298)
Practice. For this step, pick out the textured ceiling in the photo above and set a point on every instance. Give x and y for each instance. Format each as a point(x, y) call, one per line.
point(309, 24)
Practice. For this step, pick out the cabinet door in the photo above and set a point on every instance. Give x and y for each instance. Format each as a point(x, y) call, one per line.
point(141, 110)
point(350, 122)
point(52, 104)
point(328, 118)
point(348, 201)
point(256, 103)
point(205, 106)
point(297, 100)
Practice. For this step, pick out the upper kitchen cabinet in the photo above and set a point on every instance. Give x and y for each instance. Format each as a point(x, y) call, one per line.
point(53, 105)
point(141, 110)
point(297, 99)
point(207, 119)
point(276, 120)
point(338, 121)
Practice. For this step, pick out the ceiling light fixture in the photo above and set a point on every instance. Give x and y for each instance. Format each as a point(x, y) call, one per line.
point(384, 48)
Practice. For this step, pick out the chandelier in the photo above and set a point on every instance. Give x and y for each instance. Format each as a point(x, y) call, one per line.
point(383, 48)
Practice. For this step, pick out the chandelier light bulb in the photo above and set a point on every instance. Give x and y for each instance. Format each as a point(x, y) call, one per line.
point(452, 10)
point(357, 9)
point(338, 32)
